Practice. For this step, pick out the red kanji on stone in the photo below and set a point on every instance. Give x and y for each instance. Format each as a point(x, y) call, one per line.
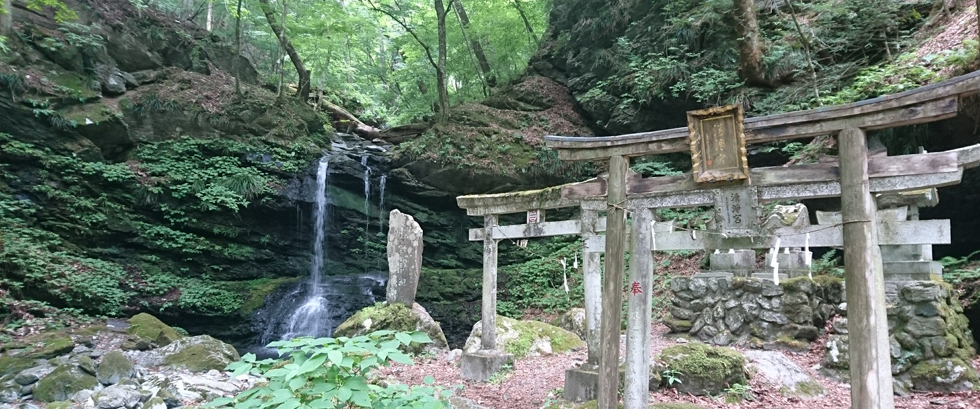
point(635, 288)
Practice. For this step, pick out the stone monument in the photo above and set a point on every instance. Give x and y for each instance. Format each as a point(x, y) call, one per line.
point(404, 258)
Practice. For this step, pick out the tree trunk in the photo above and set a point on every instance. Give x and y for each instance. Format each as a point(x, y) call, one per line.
point(207, 25)
point(527, 24)
point(282, 65)
point(303, 88)
point(7, 21)
point(476, 46)
point(443, 113)
point(238, 48)
point(750, 46)
point(978, 18)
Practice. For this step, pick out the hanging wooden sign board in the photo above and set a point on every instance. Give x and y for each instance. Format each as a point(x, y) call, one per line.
point(718, 144)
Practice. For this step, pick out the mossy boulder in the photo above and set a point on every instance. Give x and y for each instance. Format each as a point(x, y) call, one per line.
point(944, 375)
point(395, 317)
point(114, 367)
point(62, 383)
point(199, 354)
point(523, 338)
point(47, 346)
point(704, 369)
point(572, 320)
point(14, 364)
point(150, 328)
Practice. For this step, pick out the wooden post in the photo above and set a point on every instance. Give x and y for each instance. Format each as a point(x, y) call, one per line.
point(867, 323)
point(637, 390)
point(488, 339)
point(592, 282)
point(612, 288)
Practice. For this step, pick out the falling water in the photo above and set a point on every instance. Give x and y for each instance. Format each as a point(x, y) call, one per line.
point(381, 204)
point(304, 309)
point(307, 320)
point(367, 202)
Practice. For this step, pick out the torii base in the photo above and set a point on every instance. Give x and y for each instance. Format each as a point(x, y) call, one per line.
point(481, 365)
point(581, 384)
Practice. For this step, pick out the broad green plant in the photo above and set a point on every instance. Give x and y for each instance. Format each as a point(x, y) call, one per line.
point(333, 373)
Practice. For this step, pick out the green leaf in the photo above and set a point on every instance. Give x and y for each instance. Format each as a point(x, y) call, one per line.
point(297, 383)
point(428, 380)
point(404, 338)
point(400, 357)
point(361, 398)
point(344, 394)
point(421, 337)
point(336, 357)
point(356, 383)
point(219, 402)
point(312, 364)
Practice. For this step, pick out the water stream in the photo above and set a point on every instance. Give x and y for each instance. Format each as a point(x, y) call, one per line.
point(316, 306)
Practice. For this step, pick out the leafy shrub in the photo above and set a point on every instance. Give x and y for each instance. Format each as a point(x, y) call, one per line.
point(333, 373)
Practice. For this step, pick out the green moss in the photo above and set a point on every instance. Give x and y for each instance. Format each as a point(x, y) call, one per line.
point(792, 343)
point(257, 290)
point(12, 364)
point(62, 383)
point(149, 327)
point(824, 280)
point(797, 284)
point(942, 368)
point(48, 346)
point(805, 388)
point(561, 340)
point(59, 405)
point(394, 317)
point(90, 330)
point(201, 354)
point(701, 361)
point(96, 113)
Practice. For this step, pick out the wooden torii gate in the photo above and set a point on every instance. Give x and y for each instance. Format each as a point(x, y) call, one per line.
point(736, 201)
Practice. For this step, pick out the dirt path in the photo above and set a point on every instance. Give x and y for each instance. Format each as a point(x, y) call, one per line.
point(535, 381)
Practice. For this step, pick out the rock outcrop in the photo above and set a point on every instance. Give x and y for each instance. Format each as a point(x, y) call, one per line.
point(526, 338)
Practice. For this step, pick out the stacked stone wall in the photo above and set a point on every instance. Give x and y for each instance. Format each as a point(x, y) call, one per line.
point(738, 310)
point(931, 343)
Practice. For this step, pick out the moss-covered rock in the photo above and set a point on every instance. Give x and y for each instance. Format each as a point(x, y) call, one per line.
point(13, 364)
point(703, 369)
point(155, 402)
point(59, 405)
point(114, 367)
point(572, 320)
point(150, 328)
point(523, 338)
point(199, 354)
point(47, 346)
point(395, 317)
point(945, 375)
point(62, 383)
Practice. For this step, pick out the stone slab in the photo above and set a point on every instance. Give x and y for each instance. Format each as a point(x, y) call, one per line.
point(404, 258)
point(768, 276)
point(581, 385)
point(481, 365)
point(911, 270)
point(787, 375)
point(737, 260)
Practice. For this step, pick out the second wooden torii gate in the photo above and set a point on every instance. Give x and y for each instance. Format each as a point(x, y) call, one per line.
point(854, 178)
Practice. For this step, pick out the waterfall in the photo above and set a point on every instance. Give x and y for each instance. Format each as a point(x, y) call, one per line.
point(367, 203)
point(315, 306)
point(381, 204)
point(308, 319)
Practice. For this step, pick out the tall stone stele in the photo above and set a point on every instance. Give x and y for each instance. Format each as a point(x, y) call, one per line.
point(404, 258)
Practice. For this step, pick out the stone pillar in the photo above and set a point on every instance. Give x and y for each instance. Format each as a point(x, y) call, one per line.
point(581, 382)
point(481, 365)
point(740, 263)
point(488, 339)
point(404, 258)
point(637, 390)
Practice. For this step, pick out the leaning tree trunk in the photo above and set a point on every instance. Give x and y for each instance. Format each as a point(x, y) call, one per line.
point(443, 115)
point(210, 14)
point(527, 24)
point(303, 88)
point(750, 46)
point(238, 49)
point(7, 21)
point(476, 46)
